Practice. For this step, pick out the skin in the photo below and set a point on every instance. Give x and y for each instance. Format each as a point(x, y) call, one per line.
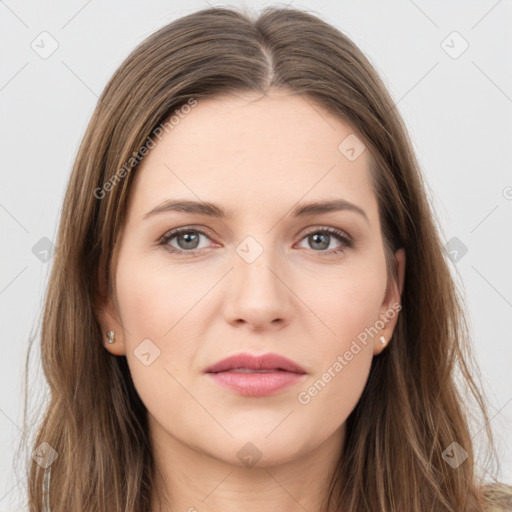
point(256, 156)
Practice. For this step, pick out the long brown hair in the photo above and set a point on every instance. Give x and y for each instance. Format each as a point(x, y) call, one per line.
point(413, 407)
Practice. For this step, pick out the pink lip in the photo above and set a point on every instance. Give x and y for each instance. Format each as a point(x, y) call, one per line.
point(275, 373)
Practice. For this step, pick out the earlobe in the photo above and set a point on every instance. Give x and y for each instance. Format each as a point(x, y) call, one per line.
point(111, 328)
point(113, 345)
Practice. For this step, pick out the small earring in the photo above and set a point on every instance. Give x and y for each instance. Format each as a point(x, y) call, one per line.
point(110, 336)
point(383, 340)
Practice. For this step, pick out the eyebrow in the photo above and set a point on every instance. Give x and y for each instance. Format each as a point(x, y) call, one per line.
point(214, 210)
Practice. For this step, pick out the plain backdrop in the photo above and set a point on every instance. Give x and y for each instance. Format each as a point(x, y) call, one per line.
point(448, 66)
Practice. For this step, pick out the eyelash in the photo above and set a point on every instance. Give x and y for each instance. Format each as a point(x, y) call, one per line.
point(346, 241)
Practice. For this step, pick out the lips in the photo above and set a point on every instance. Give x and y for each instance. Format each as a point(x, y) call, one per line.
point(256, 376)
point(247, 363)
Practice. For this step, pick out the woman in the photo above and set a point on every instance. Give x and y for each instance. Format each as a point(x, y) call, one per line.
point(249, 306)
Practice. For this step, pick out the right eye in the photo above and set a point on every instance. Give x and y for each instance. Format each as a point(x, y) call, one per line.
point(186, 239)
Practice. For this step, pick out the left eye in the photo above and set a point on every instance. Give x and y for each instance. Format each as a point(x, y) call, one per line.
point(321, 239)
point(188, 240)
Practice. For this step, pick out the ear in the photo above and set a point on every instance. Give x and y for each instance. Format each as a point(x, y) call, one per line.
point(109, 320)
point(391, 305)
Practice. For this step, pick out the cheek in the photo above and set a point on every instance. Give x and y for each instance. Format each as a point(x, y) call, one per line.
point(349, 305)
point(153, 304)
point(350, 302)
point(154, 300)
point(163, 305)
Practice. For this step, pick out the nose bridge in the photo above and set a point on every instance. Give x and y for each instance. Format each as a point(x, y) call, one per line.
point(259, 294)
point(257, 262)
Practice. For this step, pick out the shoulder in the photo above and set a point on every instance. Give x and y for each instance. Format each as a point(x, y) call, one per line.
point(497, 497)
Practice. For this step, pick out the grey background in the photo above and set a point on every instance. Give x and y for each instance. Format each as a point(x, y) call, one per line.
point(458, 111)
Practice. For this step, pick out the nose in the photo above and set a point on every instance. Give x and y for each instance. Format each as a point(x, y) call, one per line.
point(258, 293)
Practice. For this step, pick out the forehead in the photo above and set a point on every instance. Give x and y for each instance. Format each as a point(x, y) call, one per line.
point(253, 150)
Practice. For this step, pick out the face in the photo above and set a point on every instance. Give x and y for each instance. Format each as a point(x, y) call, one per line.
point(256, 273)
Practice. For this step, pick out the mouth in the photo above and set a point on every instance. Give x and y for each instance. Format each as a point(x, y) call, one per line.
point(256, 376)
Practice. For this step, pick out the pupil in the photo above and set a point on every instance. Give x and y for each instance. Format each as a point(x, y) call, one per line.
point(190, 239)
point(317, 238)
